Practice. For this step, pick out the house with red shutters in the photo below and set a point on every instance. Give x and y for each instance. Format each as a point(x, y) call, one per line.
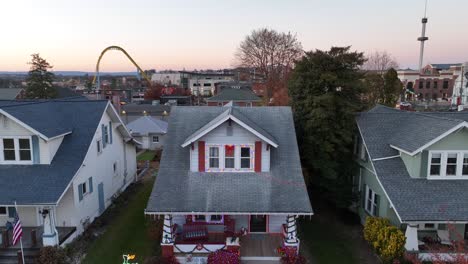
point(230, 179)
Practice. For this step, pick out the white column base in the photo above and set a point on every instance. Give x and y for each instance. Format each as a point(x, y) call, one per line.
point(411, 235)
point(50, 239)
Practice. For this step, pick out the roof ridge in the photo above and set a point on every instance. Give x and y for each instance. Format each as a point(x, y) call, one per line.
point(153, 120)
point(397, 111)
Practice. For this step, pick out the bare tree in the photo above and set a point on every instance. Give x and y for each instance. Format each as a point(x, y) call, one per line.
point(380, 62)
point(271, 54)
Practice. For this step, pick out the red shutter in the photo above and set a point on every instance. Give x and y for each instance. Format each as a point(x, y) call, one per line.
point(258, 156)
point(201, 155)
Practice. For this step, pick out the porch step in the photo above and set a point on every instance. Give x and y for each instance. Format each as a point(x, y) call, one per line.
point(9, 255)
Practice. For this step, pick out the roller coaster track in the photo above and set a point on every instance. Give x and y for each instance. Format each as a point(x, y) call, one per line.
point(96, 76)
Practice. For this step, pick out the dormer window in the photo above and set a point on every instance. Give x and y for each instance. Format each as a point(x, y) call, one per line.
point(245, 158)
point(229, 157)
point(214, 157)
point(448, 164)
point(16, 150)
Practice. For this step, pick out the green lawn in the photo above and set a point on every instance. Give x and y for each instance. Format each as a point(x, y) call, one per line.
point(326, 242)
point(147, 155)
point(126, 233)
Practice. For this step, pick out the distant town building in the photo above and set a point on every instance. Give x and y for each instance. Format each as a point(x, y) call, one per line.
point(435, 82)
point(239, 93)
point(130, 112)
point(167, 78)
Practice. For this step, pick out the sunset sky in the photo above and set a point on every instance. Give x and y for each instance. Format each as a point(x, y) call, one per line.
point(204, 34)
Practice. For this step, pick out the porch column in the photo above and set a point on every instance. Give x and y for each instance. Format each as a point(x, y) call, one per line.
point(50, 235)
point(411, 235)
point(290, 239)
point(167, 243)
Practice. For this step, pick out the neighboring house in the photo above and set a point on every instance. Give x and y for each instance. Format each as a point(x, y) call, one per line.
point(150, 131)
point(11, 93)
point(240, 93)
point(62, 162)
point(131, 112)
point(228, 171)
point(414, 171)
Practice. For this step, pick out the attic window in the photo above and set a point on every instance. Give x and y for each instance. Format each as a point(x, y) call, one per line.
point(16, 150)
point(448, 165)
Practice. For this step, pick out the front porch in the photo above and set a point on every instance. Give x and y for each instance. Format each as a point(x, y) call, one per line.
point(32, 237)
point(255, 238)
point(431, 241)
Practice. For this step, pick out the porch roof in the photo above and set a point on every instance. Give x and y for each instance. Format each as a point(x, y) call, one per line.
point(282, 190)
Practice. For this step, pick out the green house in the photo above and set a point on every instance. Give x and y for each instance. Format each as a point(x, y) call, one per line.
point(414, 171)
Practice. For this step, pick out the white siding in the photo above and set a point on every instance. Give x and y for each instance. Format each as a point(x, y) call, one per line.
point(27, 214)
point(275, 223)
point(47, 150)
point(99, 166)
point(65, 211)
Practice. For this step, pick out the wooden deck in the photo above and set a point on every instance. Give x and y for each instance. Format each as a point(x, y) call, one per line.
point(63, 232)
point(213, 238)
point(260, 245)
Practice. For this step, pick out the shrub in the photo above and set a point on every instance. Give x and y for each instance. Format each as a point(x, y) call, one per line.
point(289, 255)
point(387, 240)
point(51, 255)
point(224, 256)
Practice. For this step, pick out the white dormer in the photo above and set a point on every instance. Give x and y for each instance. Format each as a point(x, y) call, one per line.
point(22, 145)
point(230, 143)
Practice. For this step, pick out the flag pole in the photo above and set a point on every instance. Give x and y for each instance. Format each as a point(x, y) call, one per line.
point(21, 238)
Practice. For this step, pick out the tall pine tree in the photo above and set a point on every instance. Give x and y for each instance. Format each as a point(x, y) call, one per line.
point(325, 90)
point(39, 81)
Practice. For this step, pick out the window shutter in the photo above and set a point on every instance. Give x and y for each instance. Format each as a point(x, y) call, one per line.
point(80, 193)
point(110, 132)
point(258, 156)
point(424, 164)
point(103, 133)
point(201, 155)
point(11, 212)
point(35, 149)
point(90, 180)
point(377, 204)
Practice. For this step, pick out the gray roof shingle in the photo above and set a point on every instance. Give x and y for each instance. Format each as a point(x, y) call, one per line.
point(414, 199)
point(282, 190)
point(44, 184)
point(146, 125)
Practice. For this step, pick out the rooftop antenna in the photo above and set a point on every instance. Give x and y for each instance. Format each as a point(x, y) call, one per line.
point(423, 37)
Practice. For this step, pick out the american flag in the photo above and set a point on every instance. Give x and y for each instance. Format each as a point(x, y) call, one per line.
point(17, 229)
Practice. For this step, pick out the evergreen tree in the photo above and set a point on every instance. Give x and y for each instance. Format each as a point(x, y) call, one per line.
point(325, 90)
point(39, 80)
point(392, 88)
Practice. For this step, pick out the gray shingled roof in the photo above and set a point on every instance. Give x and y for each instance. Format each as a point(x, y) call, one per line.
point(146, 125)
point(9, 93)
point(43, 184)
point(414, 199)
point(233, 94)
point(232, 111)
point(282, 190)
point(408, 131)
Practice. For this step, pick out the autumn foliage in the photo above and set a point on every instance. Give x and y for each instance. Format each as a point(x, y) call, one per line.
point(387, 240)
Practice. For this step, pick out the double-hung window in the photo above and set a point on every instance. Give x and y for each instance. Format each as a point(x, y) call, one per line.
point(245, 158)
point(448, 164)
point(214, 157)
point(15, 150)
point(229, 156)
point(371, 202)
